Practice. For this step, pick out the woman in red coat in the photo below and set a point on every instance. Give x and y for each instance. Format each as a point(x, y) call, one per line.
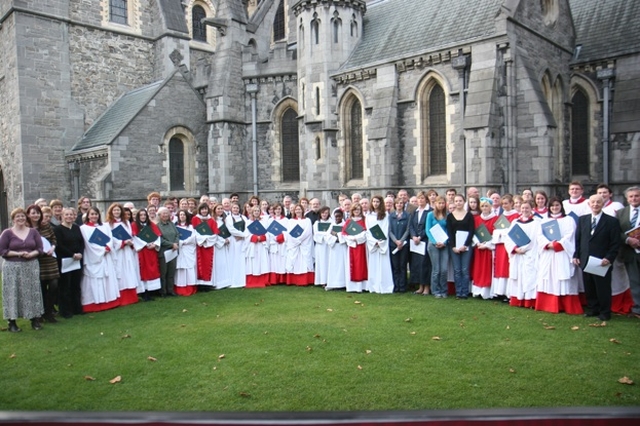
point(482, 269)
point(358, 269)
point(204, 248)
point(147, 255)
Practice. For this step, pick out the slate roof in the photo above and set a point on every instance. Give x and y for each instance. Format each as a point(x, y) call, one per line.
point(117, 116)
point(394, 29)
point(606, 28)
point(174, 15)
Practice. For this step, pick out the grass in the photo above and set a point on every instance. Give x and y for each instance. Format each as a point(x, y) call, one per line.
point(304, 349)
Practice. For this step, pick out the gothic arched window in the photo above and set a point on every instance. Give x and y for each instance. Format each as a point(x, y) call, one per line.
point(290, 146)
point(354, 142)
point(315, 30)
point(176, 165)
point(118, 12)
point(199, 28)
point(279, 23)
point(580, 128)
point(336, 25)
point(434, 150)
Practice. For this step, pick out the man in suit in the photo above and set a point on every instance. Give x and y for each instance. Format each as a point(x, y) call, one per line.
point(286, 201)
point(597, 235)
point(629, 218)
point(404, 196)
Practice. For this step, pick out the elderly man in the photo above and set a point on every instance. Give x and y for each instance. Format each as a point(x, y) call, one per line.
point(364, 203)
point(286, 204)
point(168, 248)
point(597, 236)
point(404, 196)
point(226, 206)
point(314, 208)
point(356, 197)
point(629, 218)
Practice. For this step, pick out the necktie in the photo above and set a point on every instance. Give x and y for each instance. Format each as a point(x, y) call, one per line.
point(593, 224)
point(634, 219)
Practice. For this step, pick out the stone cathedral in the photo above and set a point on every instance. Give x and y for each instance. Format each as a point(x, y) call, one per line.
point(115, 98)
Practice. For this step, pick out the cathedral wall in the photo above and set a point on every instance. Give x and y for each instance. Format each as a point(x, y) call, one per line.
point(94, 55)
point(200, 63)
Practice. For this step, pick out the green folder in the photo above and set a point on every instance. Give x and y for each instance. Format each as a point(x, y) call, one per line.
point(223, 231)
point(203, 228)
point(239, 225)
point(482, 233)
point(354, 228)
point(502, 223)
point(323, 227)
point(377, 233)
point(147, 235)
point(337, 229)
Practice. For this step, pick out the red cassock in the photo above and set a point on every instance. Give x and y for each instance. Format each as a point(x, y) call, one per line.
point(204, 255)
point(482, 266)
point(148, 258)
point(358, 270)
point(501, 269)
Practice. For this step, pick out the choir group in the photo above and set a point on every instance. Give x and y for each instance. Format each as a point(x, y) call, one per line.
point(528, 250)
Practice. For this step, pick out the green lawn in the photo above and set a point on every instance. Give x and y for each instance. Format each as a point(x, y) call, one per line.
point(304, 349)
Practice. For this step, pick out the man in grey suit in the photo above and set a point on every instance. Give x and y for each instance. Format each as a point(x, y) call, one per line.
point(629, 218)
point(597, 235)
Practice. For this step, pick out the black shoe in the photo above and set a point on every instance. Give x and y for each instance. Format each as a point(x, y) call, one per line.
point(13, 327)
point(35, 324)
point(67, 315)
point(603, 317)
point(591, 314)
point(50, 318)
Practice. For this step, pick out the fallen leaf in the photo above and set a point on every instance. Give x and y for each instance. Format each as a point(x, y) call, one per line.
point(508, 328)
point(357, 302)
point(317, 336)
point(354, 317)
point(184, 310)
point(614, 341)
point(205, 303)
point(329, 310)
point(115, 380)
point(245, 395)
point(101, 333)
point(89, 378)
point(126, 336)
point(359, 367)
point(596, 324)
point(618, 394)
point(549, 327)
point(435, 338)
point(408, 320)
point(511, 370)
point(625, 381)
point(150, 358)
point(12, 356)
point(266, 332)
point(575, 327)
point(256, 304)
point(367, 351)
point(412, 333)
point(183, 325)
point(215, 368)
point(309, 349)
point(220, 356)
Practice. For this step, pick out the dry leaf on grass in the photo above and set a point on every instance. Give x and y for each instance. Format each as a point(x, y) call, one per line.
point(408, 320)
point(12, 356)
point(549, 327)
point(150, 358)
point(184, 310)
point(359, 367)
point(309, 349)
point(89, 378)
point(220, 356)
point(574, 328)
point(413, 333)
point(598, 324)
point(126, 336)
point(329, 310)
point(625, 381)
point(357, 302)
point(266, 332)
point(614, 341)
point(367, 351)
point(245, 394)
point(317, 336)
point(511, 370)
point(115, 380)
point(183, 325)
point(215, 368)
point(435, 338)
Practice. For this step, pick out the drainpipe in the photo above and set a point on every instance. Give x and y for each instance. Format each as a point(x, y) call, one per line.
point(510, 131)
point(605, 75)
point(252, 89)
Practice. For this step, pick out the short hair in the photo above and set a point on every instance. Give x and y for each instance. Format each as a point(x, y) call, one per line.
point(163, 210)
point(167, 203)
point(154, 194)
point(556, 199)
point(631, 189)
point(604, 186)
point(46, 209)
point(203, 206)
point(17, 211)
point(451, 190)
point(576, 183)
point(234, 194)
point(55, 202)
point(81, 199)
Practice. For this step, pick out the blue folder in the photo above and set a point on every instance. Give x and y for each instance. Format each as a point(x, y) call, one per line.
point(551, 230)
point(184, 233)
point(100, 238)
point(276, 228)
point(519, 237)
point(296, 231)
point(120, 233)
point(256, 228)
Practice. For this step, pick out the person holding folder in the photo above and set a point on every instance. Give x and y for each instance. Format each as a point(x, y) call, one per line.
point(556, 291)
point(338, 259)
point(124, 256)
point(70, 248)
point(299, 246)
point(206, 229)
point(436, 230)
point(420, 263)
point(460, 228)
point(482, 263)
point(597, 245)
point(185, 281)
point(501, 262)
point(354, 234)
point(100, 289)
point(222, 265)
point(236, 224)
point(521, 245)
point(379, 262)
point(257, 251)
point(321, 231)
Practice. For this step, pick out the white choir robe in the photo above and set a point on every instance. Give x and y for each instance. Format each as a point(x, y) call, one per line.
point(299, 250)
point(337, 261)
point(237, 251)
point(278, 253)
point(379, 262)
point(99, 280)
point(257, 254)
point(523, 267)
point(321, 250)
point(186, 261)
point(221, 277)
point(555, 269)
point(125, 261)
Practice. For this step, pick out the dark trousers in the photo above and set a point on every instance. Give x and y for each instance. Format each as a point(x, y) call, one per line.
point(399, 269)
point(49, 295)
point(69, 298)
point(598, 292)
point(167, 275)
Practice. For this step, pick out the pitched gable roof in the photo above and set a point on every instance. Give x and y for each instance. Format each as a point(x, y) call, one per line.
point(394, 29)
point(606, 29)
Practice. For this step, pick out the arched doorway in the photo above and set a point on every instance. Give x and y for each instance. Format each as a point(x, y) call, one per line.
point(4, 214)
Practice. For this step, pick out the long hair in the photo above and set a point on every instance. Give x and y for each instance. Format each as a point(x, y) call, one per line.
point(440, 213)
point(138, 221)
point(552, 200)
point(380, 211)
point(95, 209)
point(110, 217)
point(36, 208)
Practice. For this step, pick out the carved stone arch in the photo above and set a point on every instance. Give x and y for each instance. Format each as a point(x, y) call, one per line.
point(353, 140)
point(173, 161)
point(433, 147)
point(431, 73)
point(210, 12)
point(285, 140)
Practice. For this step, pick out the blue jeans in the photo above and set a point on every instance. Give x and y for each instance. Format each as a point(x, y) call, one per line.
point(439, 265)
point(461, 263)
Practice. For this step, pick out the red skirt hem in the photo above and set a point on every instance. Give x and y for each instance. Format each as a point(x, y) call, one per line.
point(522, 303)
point(257, 281)
point(301, 279)
point(275, 278)
point(97, 307)
point(128, 296)
point(569, 304)
point(451, 288)
point(188, 290)
point(622, 303)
